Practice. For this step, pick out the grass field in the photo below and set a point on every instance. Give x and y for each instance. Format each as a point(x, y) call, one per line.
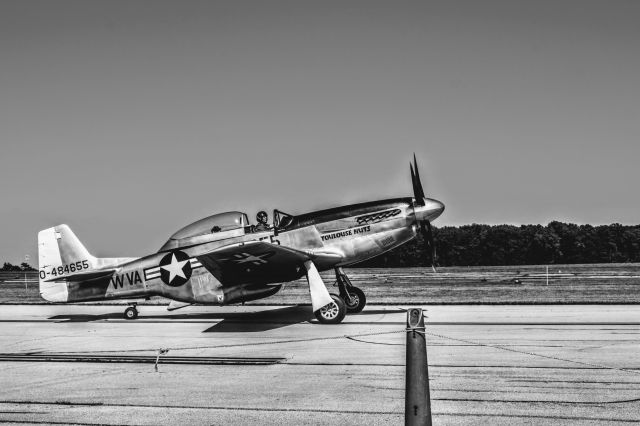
point(602, 283)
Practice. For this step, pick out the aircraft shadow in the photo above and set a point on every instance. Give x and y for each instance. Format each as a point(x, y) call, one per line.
point(261, 321)
point(229, 321)
point(275, 318)
point(85, 318)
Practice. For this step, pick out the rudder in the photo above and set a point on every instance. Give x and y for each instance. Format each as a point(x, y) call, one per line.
point(60, 253)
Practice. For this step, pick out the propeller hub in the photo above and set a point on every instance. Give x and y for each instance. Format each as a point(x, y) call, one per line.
point(428, 210)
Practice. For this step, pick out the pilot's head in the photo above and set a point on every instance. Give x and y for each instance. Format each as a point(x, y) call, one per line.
point(262, 217)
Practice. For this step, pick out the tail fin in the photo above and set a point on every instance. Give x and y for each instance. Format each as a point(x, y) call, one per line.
point(60, 254)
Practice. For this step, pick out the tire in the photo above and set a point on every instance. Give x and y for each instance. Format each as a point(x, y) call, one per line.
point(359, 300)
point(333, 313)
point(130, 313)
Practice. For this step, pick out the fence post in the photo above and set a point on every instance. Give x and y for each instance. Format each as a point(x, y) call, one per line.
point(417, 409)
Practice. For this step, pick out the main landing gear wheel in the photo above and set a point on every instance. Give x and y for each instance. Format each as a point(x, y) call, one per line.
point(131, 313)
point(356, 301)
point(353, 297)
point(333, 313)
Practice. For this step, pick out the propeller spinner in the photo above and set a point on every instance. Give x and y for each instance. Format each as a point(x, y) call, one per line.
point(426, 210)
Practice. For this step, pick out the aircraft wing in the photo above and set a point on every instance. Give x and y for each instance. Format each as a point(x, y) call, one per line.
point(260, 262)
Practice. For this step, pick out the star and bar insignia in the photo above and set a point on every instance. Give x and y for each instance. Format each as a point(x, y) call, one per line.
point(174, 269)
point(254, 259)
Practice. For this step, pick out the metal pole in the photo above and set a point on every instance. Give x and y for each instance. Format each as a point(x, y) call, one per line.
point(417, 408)
point(547, 275)
point(26, 260)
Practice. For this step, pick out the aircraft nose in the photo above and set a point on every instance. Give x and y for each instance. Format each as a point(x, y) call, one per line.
point(431, 209)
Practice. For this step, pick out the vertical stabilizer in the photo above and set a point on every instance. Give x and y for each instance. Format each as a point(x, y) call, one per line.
point(60, 253)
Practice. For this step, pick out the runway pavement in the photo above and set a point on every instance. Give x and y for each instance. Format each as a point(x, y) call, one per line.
point(79, 364)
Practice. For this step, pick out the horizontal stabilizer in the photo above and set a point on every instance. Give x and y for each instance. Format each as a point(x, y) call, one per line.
point(174, 305)
point(82, 276)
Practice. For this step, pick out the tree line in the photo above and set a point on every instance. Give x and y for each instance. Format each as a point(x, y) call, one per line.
point(486, 245)
point(23, 267)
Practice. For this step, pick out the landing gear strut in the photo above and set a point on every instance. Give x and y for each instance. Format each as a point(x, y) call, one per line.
point(131, 312)
point(353, 297)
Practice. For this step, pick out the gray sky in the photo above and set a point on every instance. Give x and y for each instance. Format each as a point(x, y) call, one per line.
point(130, 119)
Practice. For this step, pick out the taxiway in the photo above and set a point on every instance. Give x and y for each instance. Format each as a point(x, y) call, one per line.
point(80, 364)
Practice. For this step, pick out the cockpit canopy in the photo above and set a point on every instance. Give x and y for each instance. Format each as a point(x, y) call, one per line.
point(216, 227)
point(221, 226)
point(217, 223)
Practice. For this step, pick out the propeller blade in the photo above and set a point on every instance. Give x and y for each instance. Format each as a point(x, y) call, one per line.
point(416, 188)
point(425, 225)
point(418, 184)
point(427, 234)
point(413, 177)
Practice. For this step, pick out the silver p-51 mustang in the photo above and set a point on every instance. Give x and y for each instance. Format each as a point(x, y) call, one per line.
point(223, 260)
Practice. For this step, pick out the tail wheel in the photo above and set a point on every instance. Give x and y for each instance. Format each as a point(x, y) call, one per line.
point(131, 313)
point(358, 300)
point(333, 313)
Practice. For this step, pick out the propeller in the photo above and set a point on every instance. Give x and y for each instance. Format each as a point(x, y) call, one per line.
point(418, 192)
point(424, 211)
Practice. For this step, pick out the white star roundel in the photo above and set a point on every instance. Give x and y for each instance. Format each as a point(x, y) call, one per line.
point(175, 269)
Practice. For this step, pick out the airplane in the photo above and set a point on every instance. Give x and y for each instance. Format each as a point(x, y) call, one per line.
point(223, 259)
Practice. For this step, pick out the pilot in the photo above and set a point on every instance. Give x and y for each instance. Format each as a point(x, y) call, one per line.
point(262, 218)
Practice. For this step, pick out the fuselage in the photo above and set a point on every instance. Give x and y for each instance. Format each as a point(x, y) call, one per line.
point(351, 233)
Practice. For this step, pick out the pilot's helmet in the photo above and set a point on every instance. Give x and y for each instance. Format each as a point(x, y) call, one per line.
point(262, 217)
